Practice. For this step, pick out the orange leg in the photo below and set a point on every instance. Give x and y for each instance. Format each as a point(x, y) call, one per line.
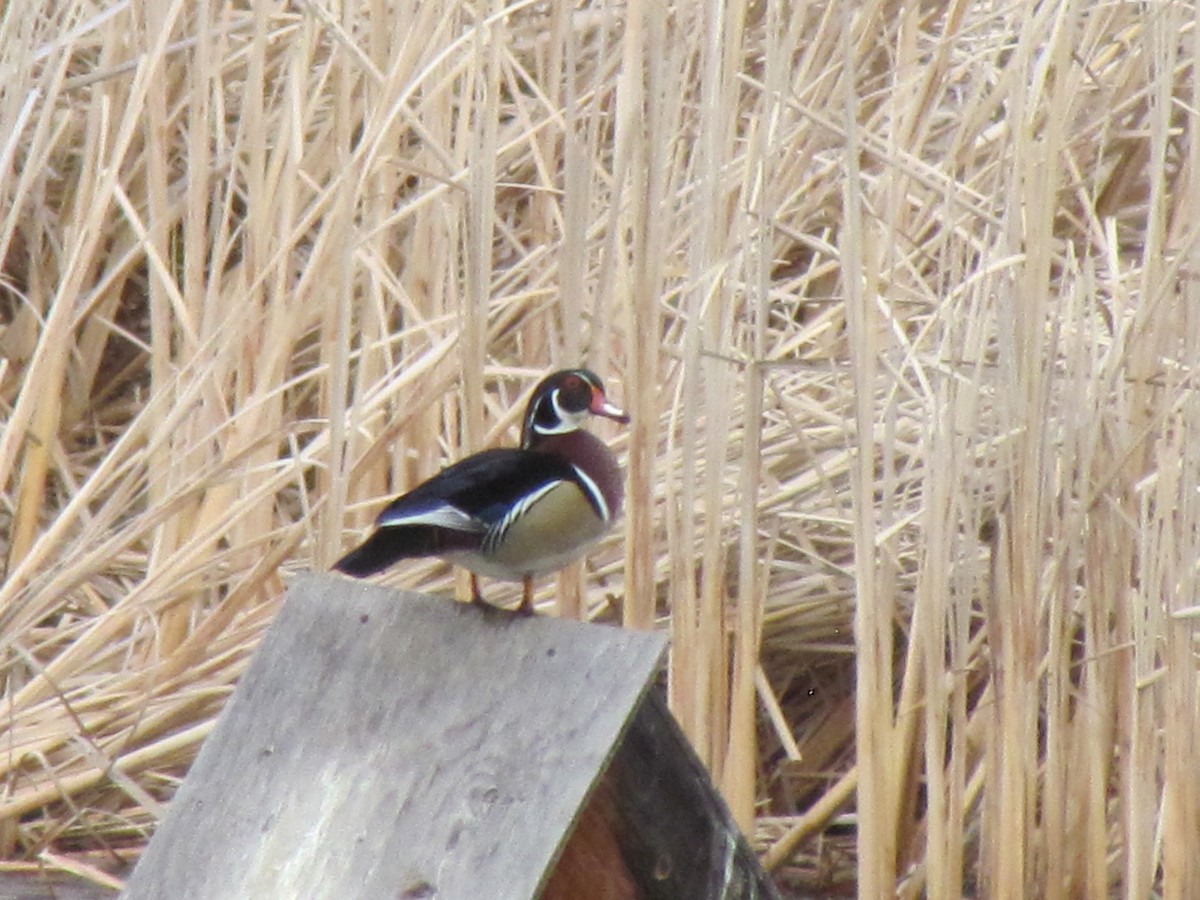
point(476, 594)
point(526, 607)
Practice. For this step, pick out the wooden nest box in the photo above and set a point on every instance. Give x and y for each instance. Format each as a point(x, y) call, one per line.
point(390, 745)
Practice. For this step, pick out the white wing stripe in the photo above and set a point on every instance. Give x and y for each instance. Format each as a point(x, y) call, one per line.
point(445, 516)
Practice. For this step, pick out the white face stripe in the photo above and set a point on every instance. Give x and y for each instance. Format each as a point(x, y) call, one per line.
point(558, 410)
point(565, 421)
point(594, 493)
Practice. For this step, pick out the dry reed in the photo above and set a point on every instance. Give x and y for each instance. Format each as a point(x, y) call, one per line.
point(900, 297)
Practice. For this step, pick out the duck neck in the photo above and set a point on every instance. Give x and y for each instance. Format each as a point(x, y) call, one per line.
point(588, 453)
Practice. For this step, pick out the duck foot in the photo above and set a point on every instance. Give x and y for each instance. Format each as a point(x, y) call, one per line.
point(524, 609)
point(479, 603)
point(477, 596)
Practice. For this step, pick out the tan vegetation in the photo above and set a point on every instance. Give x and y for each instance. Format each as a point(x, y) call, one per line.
point(903, 299)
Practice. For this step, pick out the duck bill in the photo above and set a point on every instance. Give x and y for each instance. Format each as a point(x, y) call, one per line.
point(601, 406)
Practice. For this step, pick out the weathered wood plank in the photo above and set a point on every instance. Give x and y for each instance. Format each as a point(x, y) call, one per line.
point(393, 745)
point(51, 886)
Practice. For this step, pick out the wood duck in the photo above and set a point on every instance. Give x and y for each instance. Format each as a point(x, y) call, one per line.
point(511, 513)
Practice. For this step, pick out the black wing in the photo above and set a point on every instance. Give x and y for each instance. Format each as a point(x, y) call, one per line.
point(483, 487)
point(455, 509)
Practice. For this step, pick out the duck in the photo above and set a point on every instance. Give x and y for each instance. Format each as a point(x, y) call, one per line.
point(511, 513)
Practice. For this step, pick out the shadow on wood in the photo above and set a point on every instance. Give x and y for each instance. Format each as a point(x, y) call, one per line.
point(393, 745)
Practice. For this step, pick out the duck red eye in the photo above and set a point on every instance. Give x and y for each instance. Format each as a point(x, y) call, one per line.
point(575, 394)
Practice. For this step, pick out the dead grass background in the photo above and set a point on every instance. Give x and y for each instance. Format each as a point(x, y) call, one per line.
point(903, 298)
